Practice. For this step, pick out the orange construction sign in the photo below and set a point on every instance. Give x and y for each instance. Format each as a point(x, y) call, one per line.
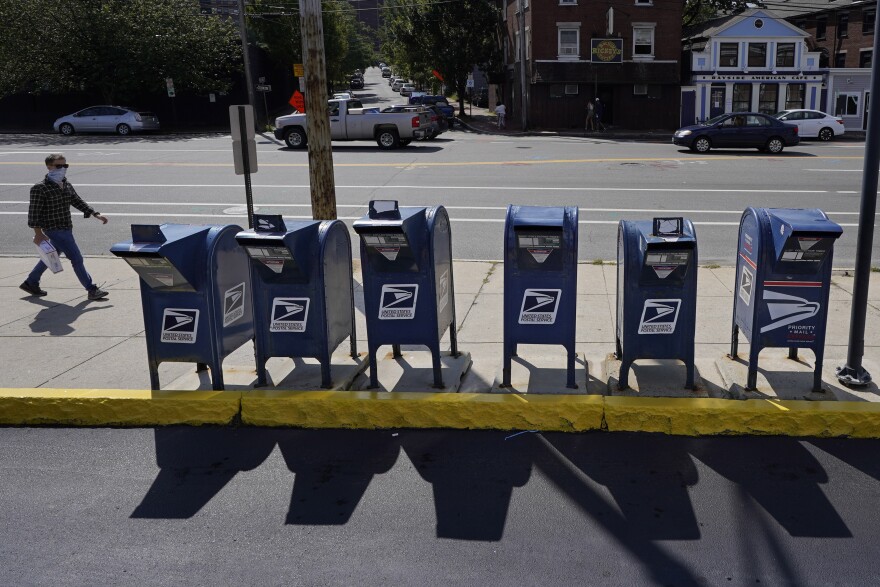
point(298, 101)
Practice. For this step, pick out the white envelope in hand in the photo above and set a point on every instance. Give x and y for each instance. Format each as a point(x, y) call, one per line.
point(49, 256)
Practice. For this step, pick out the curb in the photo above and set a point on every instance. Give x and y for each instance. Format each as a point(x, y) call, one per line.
point(461, 411)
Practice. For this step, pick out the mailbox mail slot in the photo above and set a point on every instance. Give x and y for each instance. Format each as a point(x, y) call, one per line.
point(783, 280)
point(302, 290)
point(656, 293)
point(194, 293)
point(406, 262)
point(540, 281)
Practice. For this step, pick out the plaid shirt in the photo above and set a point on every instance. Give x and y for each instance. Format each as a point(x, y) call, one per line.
point(50, 205)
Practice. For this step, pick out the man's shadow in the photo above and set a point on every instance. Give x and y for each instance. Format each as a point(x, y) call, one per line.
point(55, 318)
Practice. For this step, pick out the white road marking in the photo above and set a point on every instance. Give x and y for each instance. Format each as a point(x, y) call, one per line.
point(234, 207)
point(442, 187)
point(483, 220)
point(844, 170)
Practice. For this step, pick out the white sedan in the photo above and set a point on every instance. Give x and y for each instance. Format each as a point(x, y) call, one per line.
point(812, 123)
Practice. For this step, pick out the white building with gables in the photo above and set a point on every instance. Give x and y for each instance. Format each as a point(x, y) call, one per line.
point(753, 61)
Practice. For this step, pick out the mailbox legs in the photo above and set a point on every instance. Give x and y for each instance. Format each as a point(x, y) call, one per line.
point(154, 376)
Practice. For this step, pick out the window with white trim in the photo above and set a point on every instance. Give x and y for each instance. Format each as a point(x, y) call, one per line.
point(569, 34)
point(568, 2)
point(643, 41)
point(644, 2)
point(846, 104)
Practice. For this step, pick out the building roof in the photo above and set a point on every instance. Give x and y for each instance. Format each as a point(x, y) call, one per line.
point(696, 35)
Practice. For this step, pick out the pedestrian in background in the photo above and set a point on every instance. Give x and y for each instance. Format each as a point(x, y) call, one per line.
point(501, 112)
point(49, 216)
point(600, 110)
point(591, 117)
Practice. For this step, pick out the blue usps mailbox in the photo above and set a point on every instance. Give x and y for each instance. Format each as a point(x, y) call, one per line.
point(194, 292)
point(540, 280)
point(783, 280)
point(656, 293)
point(302, 290)
point(406, 262)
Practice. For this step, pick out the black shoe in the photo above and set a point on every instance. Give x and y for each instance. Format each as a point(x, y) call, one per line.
point(34, 290)
point(97, 294)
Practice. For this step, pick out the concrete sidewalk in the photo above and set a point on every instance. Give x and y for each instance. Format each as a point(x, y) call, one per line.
point(63, 341)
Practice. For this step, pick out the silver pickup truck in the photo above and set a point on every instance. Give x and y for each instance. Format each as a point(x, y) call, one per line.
point(350, 121)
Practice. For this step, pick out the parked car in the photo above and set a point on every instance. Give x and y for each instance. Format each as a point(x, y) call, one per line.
point(386, 72)
point(356, 83)
point(398, 84)
point(393, 79)
point(343, 96)
point(738, 130)
point(812, 123)
point(440, 102)
point(123, 121)
point(439, 120)
point(407, 89)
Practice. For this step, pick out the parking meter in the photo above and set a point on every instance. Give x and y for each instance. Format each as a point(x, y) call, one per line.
point(195, 293)
point(656, 293)
point(783, 282)
point(540, 281)
point(406, 262)
point(302, 290)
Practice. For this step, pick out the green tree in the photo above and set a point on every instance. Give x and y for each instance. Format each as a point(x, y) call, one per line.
point(118, 48)
point(347, 43)
point(451, 37)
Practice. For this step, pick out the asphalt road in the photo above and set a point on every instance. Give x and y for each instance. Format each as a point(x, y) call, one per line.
point(154, 179)
point(207, 506)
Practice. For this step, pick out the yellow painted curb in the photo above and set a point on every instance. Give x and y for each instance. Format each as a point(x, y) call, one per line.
point(703, 416)
point(117, 407)
point(364, 409)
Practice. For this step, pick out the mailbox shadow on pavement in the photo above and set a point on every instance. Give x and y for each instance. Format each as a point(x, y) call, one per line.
point(196, 464)
point(555, 465)
point(785, 483)
point(472, 476)
point(333, 470)
point(650, 485)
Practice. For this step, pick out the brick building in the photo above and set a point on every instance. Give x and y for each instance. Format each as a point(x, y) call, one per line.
point(563, 53)
point(842, 31)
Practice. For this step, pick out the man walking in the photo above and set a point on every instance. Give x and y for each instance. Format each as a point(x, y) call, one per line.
point(49, 216)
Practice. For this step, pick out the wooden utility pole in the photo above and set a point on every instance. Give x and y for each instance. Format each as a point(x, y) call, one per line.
point(323, 185)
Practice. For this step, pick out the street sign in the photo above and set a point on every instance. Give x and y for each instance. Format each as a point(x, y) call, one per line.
point(238, 156)
point(470, 82)
point(298, 69)
point(169, 85)
point(235, 124)
point(264, 88)
point(298, 101)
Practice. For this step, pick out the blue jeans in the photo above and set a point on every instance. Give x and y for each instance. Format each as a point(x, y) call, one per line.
point(63, 242)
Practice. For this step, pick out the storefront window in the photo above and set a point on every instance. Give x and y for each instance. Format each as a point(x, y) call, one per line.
point(794, 96)
point(768, 98)
point(742, 97)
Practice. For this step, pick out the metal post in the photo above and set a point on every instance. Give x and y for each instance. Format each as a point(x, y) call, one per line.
point(323, 187)
point(246, 163)
point(242, 31)
point(853, 373)
point(524, 102)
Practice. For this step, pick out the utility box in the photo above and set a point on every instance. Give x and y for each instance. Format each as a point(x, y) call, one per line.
point(656, 293)
point(783, 281)
point(406, 262)
point(540, 281)
point(194, 292)
point(302, 290)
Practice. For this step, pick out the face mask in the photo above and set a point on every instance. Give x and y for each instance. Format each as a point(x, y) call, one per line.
point(57, 175)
